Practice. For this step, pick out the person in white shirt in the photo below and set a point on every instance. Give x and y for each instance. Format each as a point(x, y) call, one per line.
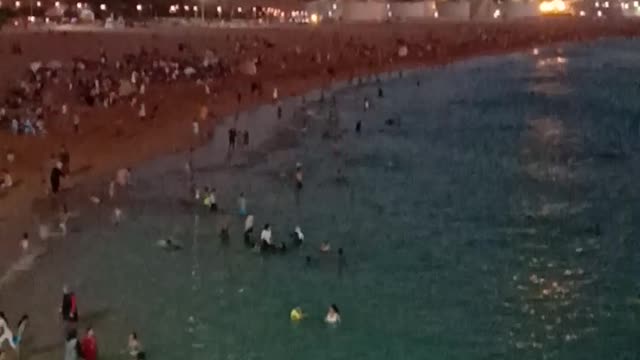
point(265, 238)
point(333, 315)
point(5, 332)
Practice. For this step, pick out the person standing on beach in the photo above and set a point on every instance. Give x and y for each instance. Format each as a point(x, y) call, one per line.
point(69, 307)
point(72, 348)
point(65, 159)
point(89, 345)
point(242, 205)
point(22, 327)
point(232, 138)
point(298, 177)
point(245, 138)
point(54, 179)
point(248, 231)
point(5, 331)
point(134, 347)
point(366, 104)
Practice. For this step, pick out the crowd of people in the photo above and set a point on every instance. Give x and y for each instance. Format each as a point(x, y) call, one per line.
point(127, 81)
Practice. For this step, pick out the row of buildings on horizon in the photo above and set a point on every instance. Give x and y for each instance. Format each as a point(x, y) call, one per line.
point(319, 11)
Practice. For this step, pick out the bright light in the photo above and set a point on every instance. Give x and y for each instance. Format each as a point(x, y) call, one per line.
point(605, 4)
point(31, 19)
point(79, 5)
point(239, 9)
point(599, 13)
point(57, 4)
point(334, 6)
point(139, 7)
point(582, 13)
point(496, 14)
point(17, 4)
point(103, 7)
point(330, 13)
point(435, 15)
point(195, 9)
point(389, 14)
point(186, 8)
point(172, 9)
point(314, 18)
point(219, 9)
point(553, 6)
point(597, 4)
point(38, 4)
point(635, 4)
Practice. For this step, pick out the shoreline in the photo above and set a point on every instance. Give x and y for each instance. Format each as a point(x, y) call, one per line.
point(95, 181)
point(292, 89)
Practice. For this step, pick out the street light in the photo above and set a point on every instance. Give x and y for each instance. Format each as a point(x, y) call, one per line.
point(103, 7)
point(139, 7)
point(18, 4)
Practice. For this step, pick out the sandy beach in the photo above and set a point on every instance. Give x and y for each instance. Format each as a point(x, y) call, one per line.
point(295, 60)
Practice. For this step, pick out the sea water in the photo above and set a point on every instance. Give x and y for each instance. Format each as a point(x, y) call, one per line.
point(487, 210)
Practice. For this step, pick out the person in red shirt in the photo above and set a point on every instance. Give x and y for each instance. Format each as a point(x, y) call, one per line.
point(89, 346)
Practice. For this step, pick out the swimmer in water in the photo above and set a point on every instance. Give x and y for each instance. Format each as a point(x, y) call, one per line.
point(266, 242)
point(210, 199)
point(297, 236)
point(297, 314)
point(169, 245)
point(333, 315)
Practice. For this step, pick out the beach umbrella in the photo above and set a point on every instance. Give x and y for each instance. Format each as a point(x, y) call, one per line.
point(126, 88)
point(35, 66)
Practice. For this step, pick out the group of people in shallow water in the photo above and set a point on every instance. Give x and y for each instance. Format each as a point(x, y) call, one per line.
point(332, 317)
